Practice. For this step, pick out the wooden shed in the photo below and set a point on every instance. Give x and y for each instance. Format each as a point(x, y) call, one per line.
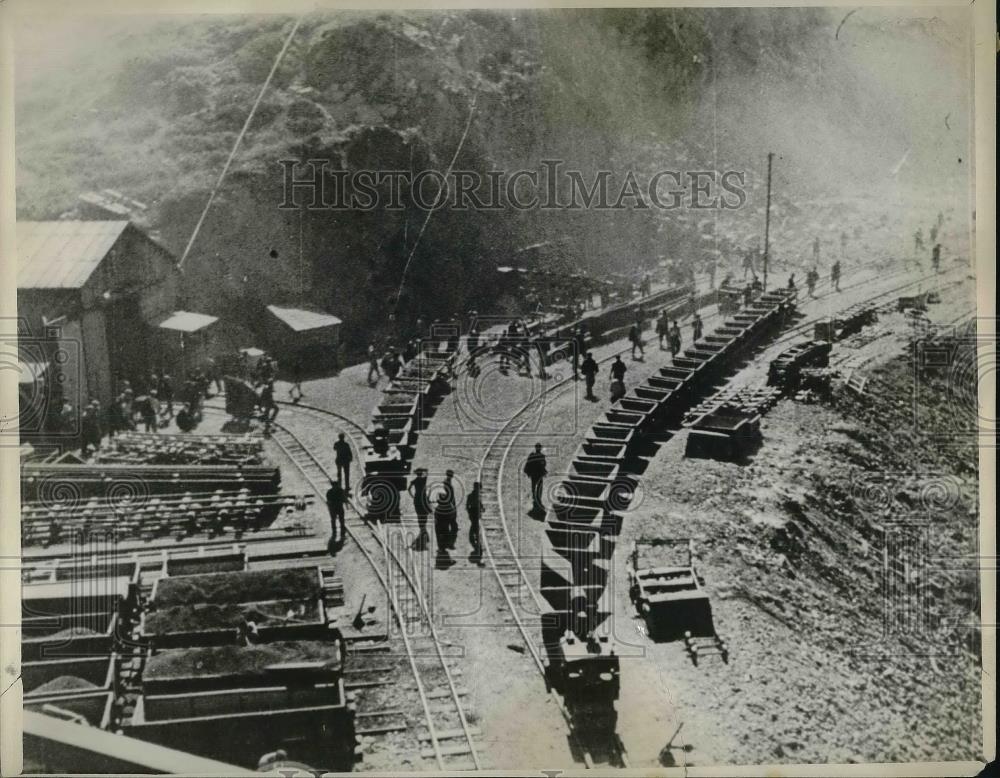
point(309, 338)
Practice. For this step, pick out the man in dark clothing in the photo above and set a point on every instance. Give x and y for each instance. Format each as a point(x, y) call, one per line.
point(165, 388)
point(536, 470)
point(675, 339)
point(835, 275)
point(343, 456)
point(444, 511)
point(474, 507)
point(697, 326)
point(589, 370)
point(449, 495)
point(662, 327)
point(635, 338)
point(811, 278)
point(421, 505)
point(936, 258)
point(335, 499)
point(269, 408)
point(618, 369)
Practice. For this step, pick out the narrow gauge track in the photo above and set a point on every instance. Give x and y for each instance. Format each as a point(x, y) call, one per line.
point(508, 571)
point(451, 737)
point(498, 545)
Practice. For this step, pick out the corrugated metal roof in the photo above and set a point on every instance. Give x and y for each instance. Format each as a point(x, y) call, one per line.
point(185, 321)
point(63, 254)
point(300, 320)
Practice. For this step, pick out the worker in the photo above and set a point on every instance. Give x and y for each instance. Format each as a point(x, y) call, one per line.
point(536, 470)
point(791, 282)
point(747, 295)
point(335, 499)
point(390, 364)
point(443, 510)
point(269, 408)
point(662, 327)
point(697, 326)
point(372, 365)
point(474, 507)
point(589, 369)
point(635, 338)
point(343, 456)
point(811, 278)
point(835, 275)
point(165, 388)
point(675, 339)
point(421, 505)
point(936, 258)
point(449, 494)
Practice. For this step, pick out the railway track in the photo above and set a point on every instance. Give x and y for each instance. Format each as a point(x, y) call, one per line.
point(450, 738)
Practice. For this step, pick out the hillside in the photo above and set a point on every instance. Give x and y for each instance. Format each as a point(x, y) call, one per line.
point(151, 108)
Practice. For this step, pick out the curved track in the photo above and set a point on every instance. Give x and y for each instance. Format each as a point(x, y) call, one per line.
point(447, 722)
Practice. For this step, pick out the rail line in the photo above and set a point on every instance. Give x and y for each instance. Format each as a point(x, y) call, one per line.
point(408, 604)
point(507, 568)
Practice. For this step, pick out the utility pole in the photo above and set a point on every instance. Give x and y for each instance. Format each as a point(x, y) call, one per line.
point(767, 216)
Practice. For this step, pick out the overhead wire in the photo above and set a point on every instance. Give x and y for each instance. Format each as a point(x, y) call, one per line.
point(236, 144)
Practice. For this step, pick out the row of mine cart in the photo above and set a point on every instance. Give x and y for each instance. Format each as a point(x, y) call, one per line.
point(585, 519)
point(214, 654)
point(405, 406)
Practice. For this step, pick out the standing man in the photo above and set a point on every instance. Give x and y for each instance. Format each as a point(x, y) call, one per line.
point(662, 327)
point(811, 277)
point(618, 371)
point(421, 505)
point(635, 338)
point(452, 518)
point(697, 326)
point(166, 390)
point(442, 522)
point(474, 507)
point(936, 258)
point(675, 339)
point(589, 370)
point(536, 470)
point(335, 499)
point(343, 456)
point(835, 275)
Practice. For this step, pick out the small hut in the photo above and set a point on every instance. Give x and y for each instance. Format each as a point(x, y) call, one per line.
point(308, 338)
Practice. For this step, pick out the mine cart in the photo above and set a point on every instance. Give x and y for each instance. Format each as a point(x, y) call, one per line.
point(667, 591)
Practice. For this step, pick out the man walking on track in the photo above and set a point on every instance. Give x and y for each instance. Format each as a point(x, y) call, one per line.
point(589, 370)
point(536, 470)
point(635, 338)
point(335, 499)
point(421, 505)
point(343, 456)
point(474, 507)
